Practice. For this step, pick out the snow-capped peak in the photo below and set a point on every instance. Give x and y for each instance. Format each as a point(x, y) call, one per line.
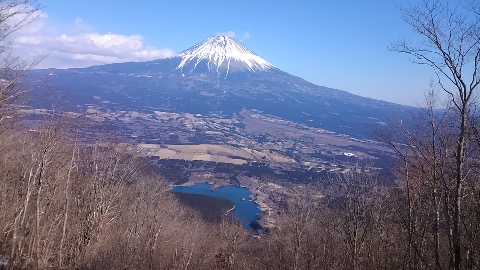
point(222, 54)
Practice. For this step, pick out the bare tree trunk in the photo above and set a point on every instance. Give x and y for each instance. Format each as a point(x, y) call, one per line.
point(67, 204)
point(460, 160)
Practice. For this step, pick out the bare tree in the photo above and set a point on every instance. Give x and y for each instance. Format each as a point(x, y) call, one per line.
point(452, 48)
point(297, 240)
point(353, 196)
point(424, 178)
point(14, 15)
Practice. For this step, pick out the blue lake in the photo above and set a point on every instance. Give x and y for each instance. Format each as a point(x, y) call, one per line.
point(246, 211)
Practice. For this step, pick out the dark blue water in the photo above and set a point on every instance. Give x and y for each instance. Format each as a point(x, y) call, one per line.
point(246, 211)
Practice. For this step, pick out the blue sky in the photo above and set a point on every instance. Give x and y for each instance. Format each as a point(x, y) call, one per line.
point(340, 44)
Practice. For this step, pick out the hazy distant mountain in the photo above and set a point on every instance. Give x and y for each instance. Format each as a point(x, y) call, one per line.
point(218, 76)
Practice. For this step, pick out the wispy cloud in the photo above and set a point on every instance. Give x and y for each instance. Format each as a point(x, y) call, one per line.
point(245, 36)
point(78, 45)
point(232, 34)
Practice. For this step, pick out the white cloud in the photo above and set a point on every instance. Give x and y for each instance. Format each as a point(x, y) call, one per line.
point(228, 33)
point(245, 36)
point(78, 21)
point(78, 45)
point(234, 35)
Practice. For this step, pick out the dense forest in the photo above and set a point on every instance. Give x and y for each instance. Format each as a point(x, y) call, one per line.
point(65, 204)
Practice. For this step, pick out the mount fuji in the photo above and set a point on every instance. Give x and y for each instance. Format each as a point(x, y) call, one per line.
point(218, 76)
point(220, 55)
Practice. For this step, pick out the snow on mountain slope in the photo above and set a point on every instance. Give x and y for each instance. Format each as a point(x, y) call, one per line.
point(222, 54)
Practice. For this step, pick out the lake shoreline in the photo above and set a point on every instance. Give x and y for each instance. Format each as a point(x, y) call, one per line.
point(246, 211)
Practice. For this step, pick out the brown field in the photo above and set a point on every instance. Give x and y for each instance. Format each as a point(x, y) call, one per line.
point(212, 152)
